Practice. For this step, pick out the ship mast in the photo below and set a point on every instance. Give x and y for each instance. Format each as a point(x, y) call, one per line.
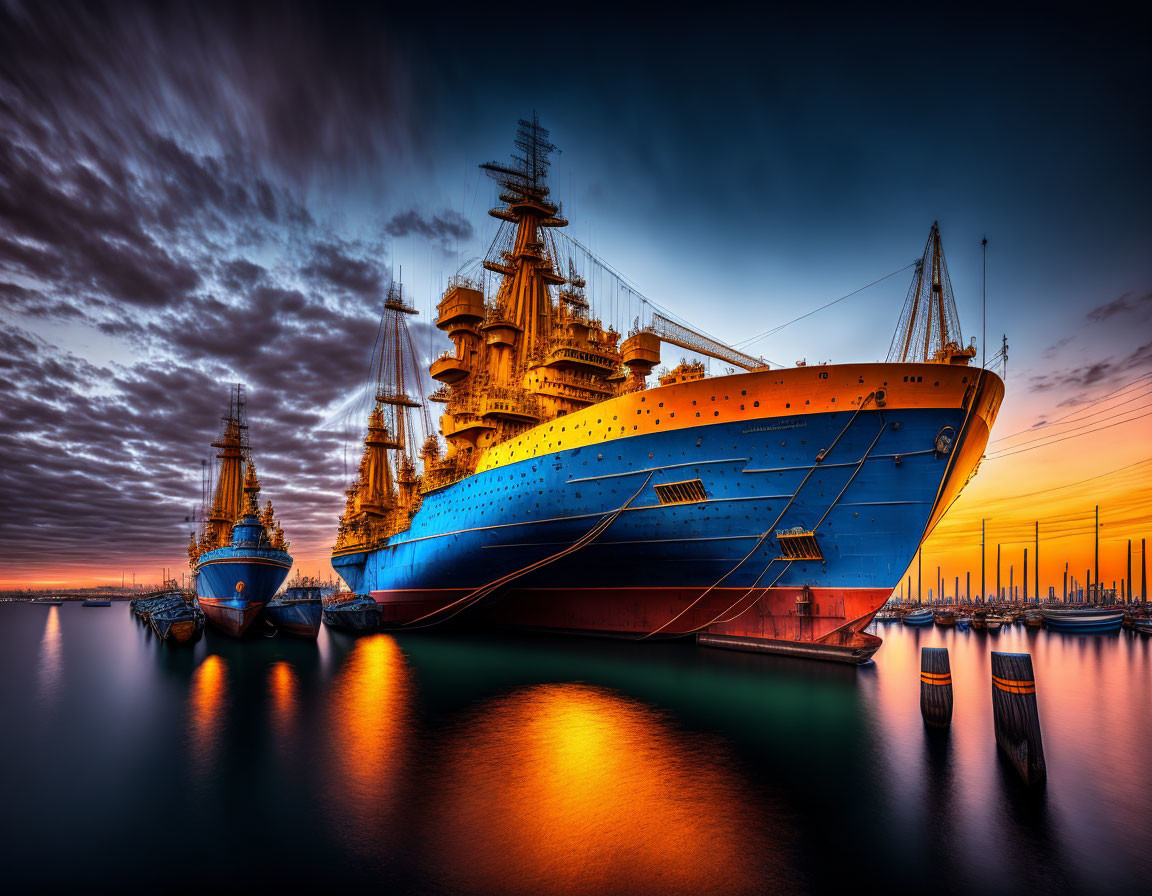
point(522, 312)
point(237, 491)
point(386, 491)
point(228, 500)
point(530, 351)
point(929, 327)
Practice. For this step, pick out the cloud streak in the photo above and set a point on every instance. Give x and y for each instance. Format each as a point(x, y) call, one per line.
point(157, 201)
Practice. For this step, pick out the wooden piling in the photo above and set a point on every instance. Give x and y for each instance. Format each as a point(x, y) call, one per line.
point(1015, 715)
point(935, 686)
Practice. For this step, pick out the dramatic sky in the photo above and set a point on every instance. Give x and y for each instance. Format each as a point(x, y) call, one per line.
point(196, 194)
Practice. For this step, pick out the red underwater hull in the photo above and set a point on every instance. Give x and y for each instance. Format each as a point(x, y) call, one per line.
point(827, 625)
point(231, 620)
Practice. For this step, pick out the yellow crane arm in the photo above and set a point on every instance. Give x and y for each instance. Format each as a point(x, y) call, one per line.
point(678, 334)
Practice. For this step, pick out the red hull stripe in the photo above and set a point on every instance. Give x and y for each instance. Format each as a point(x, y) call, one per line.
point(772, 614)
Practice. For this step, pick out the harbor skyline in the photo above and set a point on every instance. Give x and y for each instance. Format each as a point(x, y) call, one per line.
point(135, 221)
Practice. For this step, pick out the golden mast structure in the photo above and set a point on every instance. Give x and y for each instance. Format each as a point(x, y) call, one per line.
point(237, 490)
point(519, 358)
point(929, 327)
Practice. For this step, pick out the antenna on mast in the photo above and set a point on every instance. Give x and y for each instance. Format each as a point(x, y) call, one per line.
point(984, 306)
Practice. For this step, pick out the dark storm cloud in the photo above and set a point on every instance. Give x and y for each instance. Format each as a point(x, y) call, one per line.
point(446, 226)
point(334, 265)
point(304, 91)
point(153, 166)
point(1125, 305)
point(1086, 383)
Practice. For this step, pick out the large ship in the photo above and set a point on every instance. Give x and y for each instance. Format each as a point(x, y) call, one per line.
point(770, 509)
point(240, 557)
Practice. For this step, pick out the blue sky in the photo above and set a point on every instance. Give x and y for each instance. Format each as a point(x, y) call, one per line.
point(193, 195)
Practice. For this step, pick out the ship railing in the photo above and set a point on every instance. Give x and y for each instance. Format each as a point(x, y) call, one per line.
point(464, 282)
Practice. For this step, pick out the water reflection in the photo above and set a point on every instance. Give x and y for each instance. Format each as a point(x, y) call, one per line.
point(370, 728)
point(567, 788)
point(50, 655)
point(282, 687)
point(207, 704)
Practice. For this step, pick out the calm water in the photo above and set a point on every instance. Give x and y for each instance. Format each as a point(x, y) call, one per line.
point(499, 764)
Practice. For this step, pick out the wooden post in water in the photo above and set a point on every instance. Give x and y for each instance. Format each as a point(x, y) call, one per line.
point(935, 687)
point(1015, 715)
point(1025, 575)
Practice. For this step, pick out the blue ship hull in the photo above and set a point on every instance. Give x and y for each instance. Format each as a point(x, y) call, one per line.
point(871, 501)
point(233, 584)
point(299, 618)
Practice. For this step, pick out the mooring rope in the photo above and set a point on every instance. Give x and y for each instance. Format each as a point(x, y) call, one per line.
point(474, 597)
point(760, 541)
point(787, 563)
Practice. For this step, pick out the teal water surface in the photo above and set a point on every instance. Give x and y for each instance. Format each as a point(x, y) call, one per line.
point(471, 762)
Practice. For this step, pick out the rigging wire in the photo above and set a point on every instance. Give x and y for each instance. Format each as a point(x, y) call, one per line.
point(1076, 425)
point(1044, 427)
point(1116, 393)
point(1078, 482)
point(774, 330)
point(1008, 452)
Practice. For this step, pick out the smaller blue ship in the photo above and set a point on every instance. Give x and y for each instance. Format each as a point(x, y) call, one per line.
point(297, 611)
point(241, 557)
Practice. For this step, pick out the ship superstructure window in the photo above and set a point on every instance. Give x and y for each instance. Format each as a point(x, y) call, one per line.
point(687, 492)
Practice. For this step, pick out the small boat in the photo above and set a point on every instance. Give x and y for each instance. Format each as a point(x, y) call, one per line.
point(992, 624)
point(1034, 618)
point(980, 621)
point(176, 621)
point(886, 616)
point(962, 622)
point(944, 618)
point(49, 602)
point(1084, 620)
point(1142, 624)
point(354, 613)
point(918, 617)
point(93, 602)
point(170, 613)
point(297, 610)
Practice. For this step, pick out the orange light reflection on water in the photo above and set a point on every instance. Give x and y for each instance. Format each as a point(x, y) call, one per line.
point(570, 788)
point(282, 686)
point(50, 653)
point(370, 730)
point(207, 703)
